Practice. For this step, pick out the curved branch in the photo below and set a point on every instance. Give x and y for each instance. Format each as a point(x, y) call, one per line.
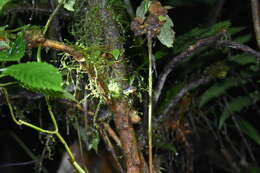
point(184, 90)
point(216, 41)
point(179, 59)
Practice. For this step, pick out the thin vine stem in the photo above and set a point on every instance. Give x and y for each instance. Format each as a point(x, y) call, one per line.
point(150, 105)
point(47, 26)
point(53, 132)
point(7, 84)
point(21, 122)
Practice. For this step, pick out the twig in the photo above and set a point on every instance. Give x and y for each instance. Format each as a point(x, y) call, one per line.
point(256, 19)
point(129, 8)
point(214, 40)
point(179, 59)
point(112, 134)
point(238, 46)
point(64, 14)
point(39, 129)
point(111, 149)
point(47, 26)
point(244, 140)
point(217, 11)
point(184, 90)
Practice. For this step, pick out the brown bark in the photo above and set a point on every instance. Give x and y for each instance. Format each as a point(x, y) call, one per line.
point(120, 108)
point(121, 111)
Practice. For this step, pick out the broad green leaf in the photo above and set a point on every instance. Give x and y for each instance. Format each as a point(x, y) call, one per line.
point(68, 4)
point(16, 51)
point(115, 53)
point(2, 3)
point(37, 76)
point(250, 131)
point(142, 9)
point(167, 35)
point(235, 105)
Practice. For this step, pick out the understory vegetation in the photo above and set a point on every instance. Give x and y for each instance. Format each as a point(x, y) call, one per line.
point(129, 86)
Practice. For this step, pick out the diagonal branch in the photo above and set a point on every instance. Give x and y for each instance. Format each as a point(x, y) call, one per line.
point(182, 92)
point(181, 58)
point(216, 41)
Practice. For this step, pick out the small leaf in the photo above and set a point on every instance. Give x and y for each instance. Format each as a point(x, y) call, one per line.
point(65, 95)
point(142, 9)
point(2, 3)
point(94, 143)
point(250, 131)
point(37, 76)
point(16, 51)
point(69, 4)
point(115, 53)
point(167, 35)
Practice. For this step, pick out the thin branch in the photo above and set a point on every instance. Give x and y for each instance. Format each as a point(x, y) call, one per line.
point(184, 90)
point(129, 8)
point(238, 46)
point(112, 134)
point(111, 149)
point(216, 11)
point(216, 41)
point(64, 14)
point(244, 140)
point(256, 19)
point(179, 59)
point(53, 14)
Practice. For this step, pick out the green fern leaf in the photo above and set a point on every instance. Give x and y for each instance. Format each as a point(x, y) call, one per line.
point(243, 59)
point(37, 76)
point(235, 105)
point(16, 52)
point(218, 90)
point(250, 131)
point(243, 39)
point(184, 41)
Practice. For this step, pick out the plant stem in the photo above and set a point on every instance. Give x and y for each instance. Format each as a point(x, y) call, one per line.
point(47, 26)
point(6, 84)
point(150, 105)
point(256, 17)
point(54, 132)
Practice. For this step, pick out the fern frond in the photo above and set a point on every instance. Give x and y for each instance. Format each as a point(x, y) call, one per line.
point(243, 59)
point(250, 131)
point(184, 41)
point(235, 105)
point(218, 90)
